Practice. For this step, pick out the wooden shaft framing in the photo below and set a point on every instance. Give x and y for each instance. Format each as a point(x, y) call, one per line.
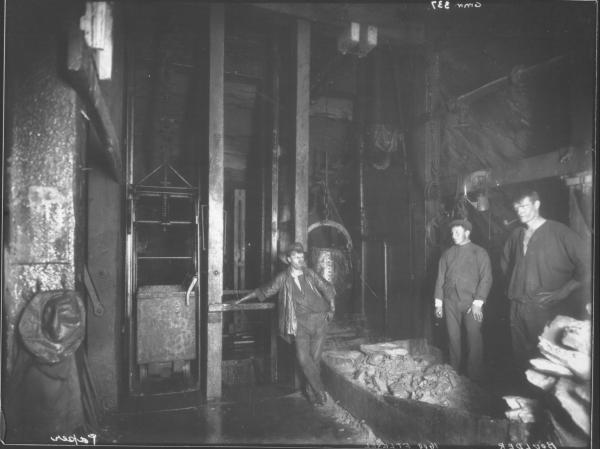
point(302, 131)
point(215, 198)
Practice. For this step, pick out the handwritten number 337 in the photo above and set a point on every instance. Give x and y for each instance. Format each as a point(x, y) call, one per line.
point(439, 4)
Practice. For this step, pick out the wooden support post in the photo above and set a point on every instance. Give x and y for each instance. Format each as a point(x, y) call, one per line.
point(359, 115)
point(215, 198)
point(239, 239)
point(431, 164)
point(82, 74)
point(302, 34)
point(275, 153)
point(263, 170)
point(97, 25)
point(302, 130)
point(273, 348)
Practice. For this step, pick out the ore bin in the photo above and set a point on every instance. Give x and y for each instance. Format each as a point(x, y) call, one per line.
point(406, 394)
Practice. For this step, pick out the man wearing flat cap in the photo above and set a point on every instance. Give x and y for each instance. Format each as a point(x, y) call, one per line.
point(306, 303)
point(463, 284)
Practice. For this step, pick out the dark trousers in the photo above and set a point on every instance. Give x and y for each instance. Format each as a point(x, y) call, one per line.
point(457, 316)
point(310, 335)
point(527, 321)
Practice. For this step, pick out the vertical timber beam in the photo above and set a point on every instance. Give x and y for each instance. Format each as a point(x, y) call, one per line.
point(215, 197)
point(263, 170)
point(302, 130)
point(431, 164)
point(239, 239)
point(275, 153)
point(359, 114)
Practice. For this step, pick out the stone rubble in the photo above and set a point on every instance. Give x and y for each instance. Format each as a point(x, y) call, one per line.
point(388, 370)
point(564, 373)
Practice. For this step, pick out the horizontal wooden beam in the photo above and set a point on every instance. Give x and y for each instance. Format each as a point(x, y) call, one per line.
point(82, 73)
point(556, 163)
point(504, 81)
point(383, 16)
point(331, 107)
point(228, 307)
point(544, 166)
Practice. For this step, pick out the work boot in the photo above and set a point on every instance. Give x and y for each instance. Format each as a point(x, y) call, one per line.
point(321, 398)
point(309, 394)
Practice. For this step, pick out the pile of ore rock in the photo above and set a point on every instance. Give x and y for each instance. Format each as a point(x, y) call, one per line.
point(392, 369)
point(563, 373)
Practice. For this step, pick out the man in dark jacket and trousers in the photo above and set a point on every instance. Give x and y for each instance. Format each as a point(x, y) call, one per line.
point(463, 284)
point(306, 303)
point(545, 264)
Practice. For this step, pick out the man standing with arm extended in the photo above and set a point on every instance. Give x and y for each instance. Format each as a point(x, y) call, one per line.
point(545, 264)
point(463, 284)
point(306, 303)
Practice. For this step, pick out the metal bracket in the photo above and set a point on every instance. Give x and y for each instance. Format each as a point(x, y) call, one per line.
point(98, 308)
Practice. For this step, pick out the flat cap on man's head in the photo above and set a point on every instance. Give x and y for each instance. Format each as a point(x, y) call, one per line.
point(466, 224)
point(295, 247)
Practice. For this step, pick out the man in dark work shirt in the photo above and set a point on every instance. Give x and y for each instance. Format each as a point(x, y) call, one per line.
point(545, 262)
point(306, 303)
point(463, 284)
